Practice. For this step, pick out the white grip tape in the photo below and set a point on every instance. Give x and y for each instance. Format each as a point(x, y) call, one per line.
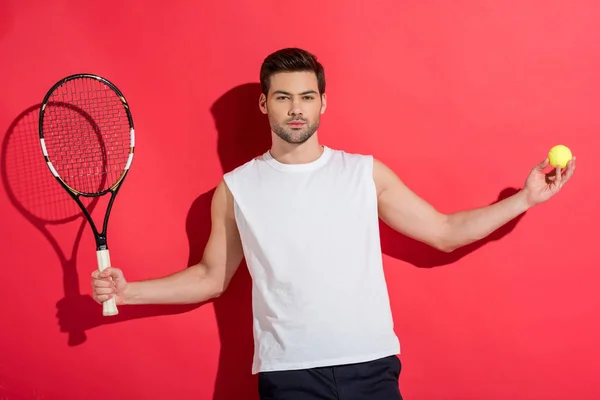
point(109, 307)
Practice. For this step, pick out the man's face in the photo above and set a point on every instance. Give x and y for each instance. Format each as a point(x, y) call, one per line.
point(294, 105)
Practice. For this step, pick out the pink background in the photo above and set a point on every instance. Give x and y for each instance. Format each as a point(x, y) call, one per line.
point(460, 98)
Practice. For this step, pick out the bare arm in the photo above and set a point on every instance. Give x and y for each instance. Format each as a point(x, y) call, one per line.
point(198, 283)
point(407, 213)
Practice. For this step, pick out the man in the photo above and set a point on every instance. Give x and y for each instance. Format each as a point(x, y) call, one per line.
point(305, 217)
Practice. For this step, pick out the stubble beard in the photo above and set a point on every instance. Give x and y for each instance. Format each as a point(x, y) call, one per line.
point(294, 135)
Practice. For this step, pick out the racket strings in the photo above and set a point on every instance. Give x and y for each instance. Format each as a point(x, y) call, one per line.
point(27, 175)
point(87, 136)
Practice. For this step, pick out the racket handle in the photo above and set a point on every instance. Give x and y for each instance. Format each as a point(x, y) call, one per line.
point(109, 307)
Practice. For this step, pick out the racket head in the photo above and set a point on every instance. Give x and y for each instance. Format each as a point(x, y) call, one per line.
point(87, 134)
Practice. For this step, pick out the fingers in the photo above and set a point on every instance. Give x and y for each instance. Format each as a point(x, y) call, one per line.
point(541, 166)
point(558, 176)
point(104, 283)
point(103, 297)
point(564, 174)
point(100, 295)
point(102, 291)
point(569, 170)
point(114, 273)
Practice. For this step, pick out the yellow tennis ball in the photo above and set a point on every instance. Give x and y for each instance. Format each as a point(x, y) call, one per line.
point(559, 155)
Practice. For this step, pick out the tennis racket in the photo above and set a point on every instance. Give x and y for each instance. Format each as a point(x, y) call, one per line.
point(88, 145)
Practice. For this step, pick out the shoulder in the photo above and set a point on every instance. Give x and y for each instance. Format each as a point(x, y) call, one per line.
point(234, 174)
point(384, 177)
point(352, 158)
point(378, 171)
point(381, 174)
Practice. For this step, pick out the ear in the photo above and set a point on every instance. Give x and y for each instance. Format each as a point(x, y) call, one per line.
point(323, 103)
point(262, 103)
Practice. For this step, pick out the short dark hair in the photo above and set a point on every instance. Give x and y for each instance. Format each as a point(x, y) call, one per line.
point(290, 60)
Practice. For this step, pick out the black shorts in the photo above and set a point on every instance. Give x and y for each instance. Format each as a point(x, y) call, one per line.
point(373, 380)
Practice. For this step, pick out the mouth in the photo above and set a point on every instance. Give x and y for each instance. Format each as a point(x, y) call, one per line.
point(296, 124)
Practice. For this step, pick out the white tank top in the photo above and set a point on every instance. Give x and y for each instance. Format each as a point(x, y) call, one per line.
point(310, 234)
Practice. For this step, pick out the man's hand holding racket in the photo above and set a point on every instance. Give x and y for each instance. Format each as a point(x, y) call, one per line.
point(109, 284)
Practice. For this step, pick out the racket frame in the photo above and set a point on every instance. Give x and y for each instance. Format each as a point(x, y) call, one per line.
point(102, 251)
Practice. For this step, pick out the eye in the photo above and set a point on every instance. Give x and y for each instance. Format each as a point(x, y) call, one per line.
point(308, 97)
point(282, 97)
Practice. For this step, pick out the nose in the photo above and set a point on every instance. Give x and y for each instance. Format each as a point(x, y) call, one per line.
point(295, 108)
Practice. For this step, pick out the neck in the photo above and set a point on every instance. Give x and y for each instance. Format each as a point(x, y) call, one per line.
point(289, 153)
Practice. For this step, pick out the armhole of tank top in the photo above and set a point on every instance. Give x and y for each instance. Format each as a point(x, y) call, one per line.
point(228, 180)
point(369, 161)
point(228, 183)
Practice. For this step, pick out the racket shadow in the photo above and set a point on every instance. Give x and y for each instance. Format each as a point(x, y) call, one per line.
point(37, 196)
point(42, 202)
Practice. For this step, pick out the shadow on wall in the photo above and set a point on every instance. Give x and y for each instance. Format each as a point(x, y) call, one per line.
point(421, 255)
point(42, 201)
point(243, 133)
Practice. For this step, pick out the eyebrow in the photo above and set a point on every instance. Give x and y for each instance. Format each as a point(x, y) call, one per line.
point(289, 94)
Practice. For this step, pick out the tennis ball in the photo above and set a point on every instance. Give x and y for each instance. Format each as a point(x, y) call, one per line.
point(559, 155)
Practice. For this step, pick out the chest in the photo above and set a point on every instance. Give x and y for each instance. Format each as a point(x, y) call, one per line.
point(311, 200)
